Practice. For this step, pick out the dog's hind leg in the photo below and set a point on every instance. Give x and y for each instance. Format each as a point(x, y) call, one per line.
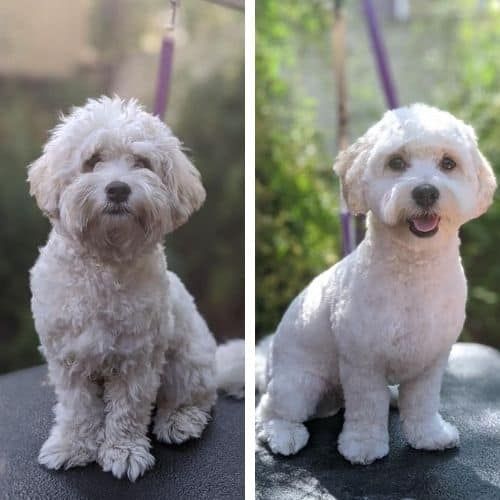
point(301, 372)
point(185, 398)
point(289, 401)
point(188, 382)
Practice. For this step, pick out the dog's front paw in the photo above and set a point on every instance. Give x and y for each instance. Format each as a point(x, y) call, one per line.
point(431, 434)
point(130, 458)
point(362, 447)
point(182, 424)
point(61, 451)
point(283, 437)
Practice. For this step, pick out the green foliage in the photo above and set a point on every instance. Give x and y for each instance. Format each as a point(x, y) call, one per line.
point(478, 102)
point(296, 203)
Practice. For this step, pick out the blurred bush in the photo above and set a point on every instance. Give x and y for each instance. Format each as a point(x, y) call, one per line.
point(444, 53)
point(206, 111)
point(477, 100)
point(296, 225)
point(208, 251)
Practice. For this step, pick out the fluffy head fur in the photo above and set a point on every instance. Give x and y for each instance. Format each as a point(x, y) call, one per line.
point(114, 140)
point(421, 136)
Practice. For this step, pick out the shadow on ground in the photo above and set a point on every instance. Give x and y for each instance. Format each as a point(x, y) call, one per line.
point(470, 400)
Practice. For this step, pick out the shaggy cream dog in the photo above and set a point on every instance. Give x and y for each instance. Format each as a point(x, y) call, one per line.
point(119, 331)
point(389, 312)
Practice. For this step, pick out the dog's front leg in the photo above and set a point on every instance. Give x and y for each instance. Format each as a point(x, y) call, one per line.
point(423, 426)
point(79, 415)
point(364, 437)
point(128, 400)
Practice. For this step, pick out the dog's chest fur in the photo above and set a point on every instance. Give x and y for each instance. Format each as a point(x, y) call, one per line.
point(402, 325)
point(96, 314)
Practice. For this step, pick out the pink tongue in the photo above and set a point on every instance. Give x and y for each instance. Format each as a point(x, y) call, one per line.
point(426, 223)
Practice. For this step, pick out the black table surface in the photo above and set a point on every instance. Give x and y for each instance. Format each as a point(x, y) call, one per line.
point(211, 467)
point(470, 400)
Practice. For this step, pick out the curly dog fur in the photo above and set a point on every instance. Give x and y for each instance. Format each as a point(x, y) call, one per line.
point(119, 331)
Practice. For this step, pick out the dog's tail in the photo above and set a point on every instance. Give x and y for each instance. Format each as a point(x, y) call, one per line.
point(261, 352)
point(230, 366)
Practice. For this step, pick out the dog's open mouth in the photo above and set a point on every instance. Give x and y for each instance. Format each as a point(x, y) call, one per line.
point(424, 226)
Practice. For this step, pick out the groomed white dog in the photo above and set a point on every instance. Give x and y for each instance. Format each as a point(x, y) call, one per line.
point(388, 313)
point(119, 331)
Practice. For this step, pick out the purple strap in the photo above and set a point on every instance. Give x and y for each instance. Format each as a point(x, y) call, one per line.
point(164, 73)
point(380, 55)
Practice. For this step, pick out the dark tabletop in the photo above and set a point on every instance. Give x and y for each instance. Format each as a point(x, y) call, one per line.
point(207, 468)
point(470, 400)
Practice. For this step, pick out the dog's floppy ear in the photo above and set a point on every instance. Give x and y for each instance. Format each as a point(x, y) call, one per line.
point(487, 183)
point(183, 182)
point(486, 176)
point(349, 166)
point(45, 186)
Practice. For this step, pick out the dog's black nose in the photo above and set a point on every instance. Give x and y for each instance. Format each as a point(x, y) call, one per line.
point(425, 195)
point(117, 191)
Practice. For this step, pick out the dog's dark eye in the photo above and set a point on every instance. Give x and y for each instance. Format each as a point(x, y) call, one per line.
point(397, 164)
point(447, 163)
point(142, 163)
point(92, 161)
